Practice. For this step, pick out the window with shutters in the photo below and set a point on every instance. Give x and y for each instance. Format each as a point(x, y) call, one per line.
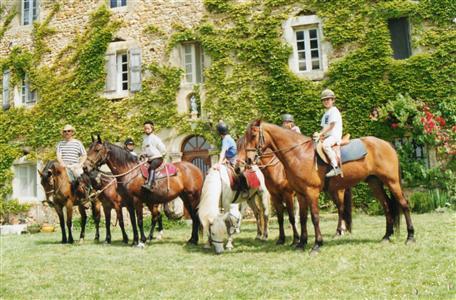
point(27, 95)
point(5, 87)
point(193, 62)
point(123, 73)
point(309, 58)
point(29, 11)
point(118, 3)
point(400, 37)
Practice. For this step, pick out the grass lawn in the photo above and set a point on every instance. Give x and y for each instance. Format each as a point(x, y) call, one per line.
point(352, 267)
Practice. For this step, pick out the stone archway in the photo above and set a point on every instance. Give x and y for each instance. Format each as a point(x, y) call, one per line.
point(195, 149)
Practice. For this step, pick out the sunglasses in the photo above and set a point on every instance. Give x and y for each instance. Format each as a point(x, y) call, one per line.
point(65, 131)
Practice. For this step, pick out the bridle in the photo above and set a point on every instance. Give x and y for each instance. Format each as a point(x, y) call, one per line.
point(231, 225)
point(260, 145)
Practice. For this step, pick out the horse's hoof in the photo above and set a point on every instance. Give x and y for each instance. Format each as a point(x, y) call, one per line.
point(410, 241)
point(192, 242)
point(385, 240)
point(159, 236)
point(229, 248)
point(258, 237)
point(70, 241)
point(264, 238)
point(294, 242)
point(280, 242)
point(315, 250)
point(300, 245)
point(81, 241)
point(107, 242)
point(125, 241)
point(64, 242)
point(140, 245)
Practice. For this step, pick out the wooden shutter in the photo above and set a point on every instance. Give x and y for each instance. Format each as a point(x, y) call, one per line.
point(400, 37)
point(6, 75)
point(111, 72)
point(135, 69)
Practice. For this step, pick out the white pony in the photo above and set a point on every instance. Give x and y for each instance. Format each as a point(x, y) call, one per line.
point(216, 225)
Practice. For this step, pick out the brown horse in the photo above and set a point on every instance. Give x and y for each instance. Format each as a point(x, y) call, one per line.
point(106, 188)
point(60, 193)
point(297, 153)
point(186, 184)
point(282, 194)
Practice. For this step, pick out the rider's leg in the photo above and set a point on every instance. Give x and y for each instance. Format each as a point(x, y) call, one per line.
point(327, 146)
point(154, 164)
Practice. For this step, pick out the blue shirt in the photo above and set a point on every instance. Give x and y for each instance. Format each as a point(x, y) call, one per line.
point(229, 145)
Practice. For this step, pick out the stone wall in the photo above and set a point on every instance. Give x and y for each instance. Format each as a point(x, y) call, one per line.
point(136, 17)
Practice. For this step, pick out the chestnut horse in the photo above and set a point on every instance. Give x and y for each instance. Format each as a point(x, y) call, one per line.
point(187, 184)
point(106, 188)
point(297, 153)
point(60, 193)
point(282, 194)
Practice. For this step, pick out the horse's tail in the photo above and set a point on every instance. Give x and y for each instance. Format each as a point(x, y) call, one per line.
point(348, 205)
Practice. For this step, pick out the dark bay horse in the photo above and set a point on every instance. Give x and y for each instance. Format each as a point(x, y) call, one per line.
point(379, 167)
point(106, 188)
point(59, 192)
point(187, 184)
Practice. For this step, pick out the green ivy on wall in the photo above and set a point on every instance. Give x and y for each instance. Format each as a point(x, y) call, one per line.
point(248, 76)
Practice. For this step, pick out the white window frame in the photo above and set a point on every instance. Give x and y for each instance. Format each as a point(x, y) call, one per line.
point(117, 67)
point(5, 89)
point(32, 14)
point(25, 188)
point(118, 3)
point(27, 97)
point(120, 72)
point(308, 50)
point(189, 63)
point(305, 24)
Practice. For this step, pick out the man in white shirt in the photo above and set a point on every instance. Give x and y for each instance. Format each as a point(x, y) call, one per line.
point(154, 150)
point(331, 132)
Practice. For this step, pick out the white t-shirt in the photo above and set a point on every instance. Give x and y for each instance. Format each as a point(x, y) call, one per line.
point(333, 115)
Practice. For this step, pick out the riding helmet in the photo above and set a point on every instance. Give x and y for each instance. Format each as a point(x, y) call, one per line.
point(327, 93)
point(222, 128)
point(287, 118)
point(129, 141)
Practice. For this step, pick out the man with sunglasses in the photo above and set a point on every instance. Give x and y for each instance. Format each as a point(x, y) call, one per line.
point(71, 154)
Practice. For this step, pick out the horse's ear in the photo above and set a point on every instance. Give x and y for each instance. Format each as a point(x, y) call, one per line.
point(257, 122)
point(93, 138)
point(41, 173)
point(99, 139)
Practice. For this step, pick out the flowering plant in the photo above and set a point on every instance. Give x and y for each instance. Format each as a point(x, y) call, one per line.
point(406, 116)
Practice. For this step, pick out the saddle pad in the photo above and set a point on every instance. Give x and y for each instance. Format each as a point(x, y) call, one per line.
point(353, 151)
point(252, 179)
point(160, 172)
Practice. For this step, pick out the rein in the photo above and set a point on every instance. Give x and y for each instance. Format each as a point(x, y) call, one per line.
point(260, 153)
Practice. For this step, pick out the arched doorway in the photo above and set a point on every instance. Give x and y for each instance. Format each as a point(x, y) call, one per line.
point(195, 149)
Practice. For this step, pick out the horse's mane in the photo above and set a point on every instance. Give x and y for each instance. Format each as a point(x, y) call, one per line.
point(120, 155)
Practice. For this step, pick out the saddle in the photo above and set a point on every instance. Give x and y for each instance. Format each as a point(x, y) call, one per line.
point(163, 171)
point(347, 150)
point(243, 181)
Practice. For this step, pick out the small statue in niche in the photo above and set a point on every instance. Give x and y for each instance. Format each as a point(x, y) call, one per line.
point(193, 107)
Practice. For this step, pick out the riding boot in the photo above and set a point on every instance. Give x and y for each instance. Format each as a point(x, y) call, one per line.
point(150, 181)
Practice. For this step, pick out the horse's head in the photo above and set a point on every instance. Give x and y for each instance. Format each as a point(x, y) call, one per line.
point(48, 178)
point(96, 155)
point(229, 222)
point(254, 143)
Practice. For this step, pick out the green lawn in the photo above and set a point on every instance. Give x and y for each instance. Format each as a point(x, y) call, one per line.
point(352, 267)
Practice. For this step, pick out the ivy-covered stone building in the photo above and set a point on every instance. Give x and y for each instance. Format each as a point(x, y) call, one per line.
point(107, 66)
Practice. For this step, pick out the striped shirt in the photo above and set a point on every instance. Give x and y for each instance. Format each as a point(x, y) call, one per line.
point(70, 151)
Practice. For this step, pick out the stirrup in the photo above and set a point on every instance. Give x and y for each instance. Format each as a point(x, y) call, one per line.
point(334, 172)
